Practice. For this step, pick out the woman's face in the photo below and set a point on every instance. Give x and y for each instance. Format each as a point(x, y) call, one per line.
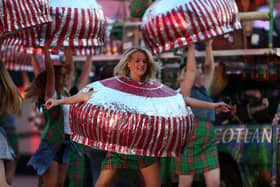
point(138, 65)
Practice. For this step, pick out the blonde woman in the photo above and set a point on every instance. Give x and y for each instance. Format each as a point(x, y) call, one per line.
point(137, 65)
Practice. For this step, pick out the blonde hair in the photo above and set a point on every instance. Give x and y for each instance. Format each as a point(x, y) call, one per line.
point(11, 99)
point(122, 69)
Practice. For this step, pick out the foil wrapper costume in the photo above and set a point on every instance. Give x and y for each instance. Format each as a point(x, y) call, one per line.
point(22, 14)
point(168, 25)
point(79, 24)
point(129, 117)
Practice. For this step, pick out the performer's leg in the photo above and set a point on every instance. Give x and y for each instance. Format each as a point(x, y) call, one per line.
point(10, 171)
point(185, 180)
point(50, 177)
point(212, 178)
point(151, 175)
point(63, 168)
point(3, 182)
point(106, 178)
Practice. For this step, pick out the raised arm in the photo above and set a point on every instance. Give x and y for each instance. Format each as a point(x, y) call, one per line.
point(80, 97)
point(35, 65)
point(189, 78)
point(209, 64)
point(50, 83)
point(69, 67)
point(83, 79)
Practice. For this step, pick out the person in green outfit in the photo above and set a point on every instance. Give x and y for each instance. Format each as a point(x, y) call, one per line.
point(137, 64)
point(11, 103)
point(201, 154)
point(51, 160)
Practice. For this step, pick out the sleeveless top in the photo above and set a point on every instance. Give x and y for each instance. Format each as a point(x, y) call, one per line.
point(201, 94)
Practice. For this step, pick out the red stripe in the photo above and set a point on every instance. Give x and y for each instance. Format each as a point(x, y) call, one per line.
point(90, 22)
point(177, 24)
point(138, 133)
point(159, 32)
point(95, 130)
point(214, 11)
point(169, 40)
point(150, 29)
point(226, 13)
point(204, 19)
point(65, 26)
point(103, 130)
point(23, 14)
point(86, 117)
point(95, 28)
point(230, 18)
point(192, 23)
point(82, 31)
point(160, 142)
point(16, 10)
point(174, 26)
point(34, 20)
point(186, 33)
point(73, 27)
point(11, 20)
point(113, 135)
point(163, 143)
point(150, 134)
point(198, 19)
point(91, 122)
point(5, 18)
point(56, 22)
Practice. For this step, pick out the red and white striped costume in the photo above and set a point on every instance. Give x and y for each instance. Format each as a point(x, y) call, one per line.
point(167, 25)
point(129, 117)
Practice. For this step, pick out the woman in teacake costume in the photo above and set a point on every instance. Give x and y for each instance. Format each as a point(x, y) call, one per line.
point(135, 73)
point(11, 102)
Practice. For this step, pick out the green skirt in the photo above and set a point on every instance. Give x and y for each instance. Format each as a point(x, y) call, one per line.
point(121, 161)
point(201, 153)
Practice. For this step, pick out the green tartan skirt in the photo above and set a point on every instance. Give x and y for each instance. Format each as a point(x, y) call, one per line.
point(121, 161)
point(201, 153)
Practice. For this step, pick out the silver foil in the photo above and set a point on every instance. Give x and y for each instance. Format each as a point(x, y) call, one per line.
point(132, 119)
point(22, 14)
point(167, 25)
point(75, 23)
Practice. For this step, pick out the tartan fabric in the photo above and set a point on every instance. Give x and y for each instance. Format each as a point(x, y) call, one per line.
point(119, 161)
point(200, 155)
point(12, 139)
point(53, 132)
point(76, 170)
point(167, 171)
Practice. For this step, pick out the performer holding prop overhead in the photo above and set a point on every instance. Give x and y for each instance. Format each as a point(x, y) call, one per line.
point(168, 25)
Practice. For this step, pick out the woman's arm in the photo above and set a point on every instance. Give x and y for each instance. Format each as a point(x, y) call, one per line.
point(50, 83)
point(219, 106)
point(209, 64)
point(83, 79)
point(80, 97)
point(35, 65)
point(188, 81)
point(69, 67)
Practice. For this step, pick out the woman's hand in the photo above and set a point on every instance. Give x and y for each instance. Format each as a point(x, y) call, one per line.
point(222, 107)
point(50, 103)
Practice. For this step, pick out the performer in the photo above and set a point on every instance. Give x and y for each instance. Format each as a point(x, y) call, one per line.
point(201, 154)
point(11, 103)
point(137, 65)
point(52, 157)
